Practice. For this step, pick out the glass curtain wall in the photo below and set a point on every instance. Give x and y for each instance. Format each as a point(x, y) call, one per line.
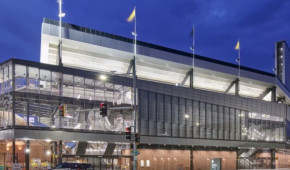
point(6, 98)
point(43, 91)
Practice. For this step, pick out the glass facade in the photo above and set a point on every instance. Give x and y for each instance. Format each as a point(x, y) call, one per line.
point(39, 92)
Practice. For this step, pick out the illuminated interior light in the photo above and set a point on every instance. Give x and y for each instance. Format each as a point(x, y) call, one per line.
point(186, 116)
point(48, 140)
point(48, 153)
point(103, 77)
point(27, 150)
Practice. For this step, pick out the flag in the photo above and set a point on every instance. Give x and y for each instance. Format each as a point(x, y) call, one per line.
point(132, 16)
point(238, 46)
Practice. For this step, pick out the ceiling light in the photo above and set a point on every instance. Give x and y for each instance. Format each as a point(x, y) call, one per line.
point(103, 77)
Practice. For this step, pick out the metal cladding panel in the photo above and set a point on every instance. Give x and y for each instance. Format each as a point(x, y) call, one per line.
point(175, 110)
point(160, 108)
point(181, 130)
point(181, 111)
point(168, 129)
point(152, 106)
point(160, 128)
point(144, 127)
point(175, 130)
point(189, 131)
point(144, 105)
point(189, 109)
point(167, 109)
point(152, 128)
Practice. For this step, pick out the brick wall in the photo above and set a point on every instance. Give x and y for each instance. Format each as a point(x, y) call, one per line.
point(180, 159)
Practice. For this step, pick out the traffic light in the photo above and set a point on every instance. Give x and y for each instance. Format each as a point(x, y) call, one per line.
point(103, 109)
point(137, 138)
point(128, 133)
point(61, 111)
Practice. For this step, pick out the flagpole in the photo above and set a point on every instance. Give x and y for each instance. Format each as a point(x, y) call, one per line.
point(239, 61)
point(60, 15)
point(135, 94)
point(193, 54)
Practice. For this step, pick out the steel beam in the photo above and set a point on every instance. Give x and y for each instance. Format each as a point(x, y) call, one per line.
point(267, 91)
point(237, 88)
point(189, 75)
point(130, 67)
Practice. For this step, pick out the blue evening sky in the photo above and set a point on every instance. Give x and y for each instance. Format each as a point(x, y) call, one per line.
point(219, 24)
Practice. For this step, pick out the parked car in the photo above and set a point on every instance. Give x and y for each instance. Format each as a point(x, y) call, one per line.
point(73, 166)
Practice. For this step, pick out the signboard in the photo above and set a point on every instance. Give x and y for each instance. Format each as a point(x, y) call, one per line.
point(16, 166)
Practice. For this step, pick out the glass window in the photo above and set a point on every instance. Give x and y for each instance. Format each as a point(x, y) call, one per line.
point(68, 88)
point(45, 82)
point(89, 89)
point(56, 78)
point(79, 85)
point(20, 78)
point(99, 91)
point(33, 79)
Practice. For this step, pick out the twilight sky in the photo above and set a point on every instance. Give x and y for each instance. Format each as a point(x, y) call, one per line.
point(218, 23)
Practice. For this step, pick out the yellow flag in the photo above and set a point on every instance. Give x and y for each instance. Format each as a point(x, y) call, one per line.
point(132, 16)
point(238, 45)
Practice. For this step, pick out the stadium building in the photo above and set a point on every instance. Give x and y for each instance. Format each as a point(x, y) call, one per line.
point(201, 118)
